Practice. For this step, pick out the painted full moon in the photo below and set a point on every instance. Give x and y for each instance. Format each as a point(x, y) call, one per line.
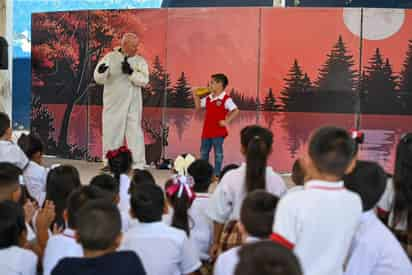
point(378, 24)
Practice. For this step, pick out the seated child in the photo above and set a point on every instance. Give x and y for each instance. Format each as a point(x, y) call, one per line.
point(374, 249)
point(164, 250)
point(256, 220)
point(99, 233)
point(14, 258)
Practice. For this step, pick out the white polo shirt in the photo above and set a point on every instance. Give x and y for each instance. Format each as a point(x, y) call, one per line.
point(375, 251)
point(58, 247)
point(10, 152)
point(226, 201)
point(17, 261)
point(35, 177)
point(226, 262)
point(320, 222)
point(164, 250)
point(229, 104)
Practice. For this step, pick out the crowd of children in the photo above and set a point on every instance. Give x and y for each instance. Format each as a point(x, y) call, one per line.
point(344, 216)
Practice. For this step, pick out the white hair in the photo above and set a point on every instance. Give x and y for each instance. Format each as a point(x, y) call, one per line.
point(129, 36)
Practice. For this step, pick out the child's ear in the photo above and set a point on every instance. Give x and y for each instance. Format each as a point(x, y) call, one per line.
point(66, 215)
point(77, 237)
point(117, 199)
point(351, 166)
point(132, 214)
point(165, 208)
point(9, 133)
point(118, 241)
point(16, 195)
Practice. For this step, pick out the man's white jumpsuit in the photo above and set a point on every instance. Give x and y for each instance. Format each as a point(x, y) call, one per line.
point(122, 104)
point(5, 95)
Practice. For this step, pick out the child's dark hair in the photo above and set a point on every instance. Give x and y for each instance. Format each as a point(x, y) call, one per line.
point(202, 173)
point(106, 182)
point(61, 181)
point(369, 181)
point(5, 123)
point(147, 202)
point(221, 78)
point(402, 180)
point(257, 212)
point(9, 178)
point(180, 204)
point(80, 197)
point(298, 174)
point(267, 258)
point(30, 144)
point(120, 161)
point(12, 224)
point(257, 144)
point(332, 150)
point(98, 225)
point(227, 168)
point(142, 176)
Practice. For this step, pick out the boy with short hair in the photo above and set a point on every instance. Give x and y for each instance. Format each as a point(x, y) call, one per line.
point(220, 111)
point(99, 233)
point(164, 250)
point(10, 152)
point(319, 221)
point(374, 250)
point(256, 220)
point(10, 182)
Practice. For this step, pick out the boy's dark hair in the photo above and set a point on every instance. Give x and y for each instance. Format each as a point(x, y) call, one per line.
point(30, 144)
point(121, 164)
point(147, 202)
point(80, 197)
point(142, 176)
point(298, 174)
point(221, 78)
point(11, 223)
point(227, 168)
point(202, 173)
point(331, 150)
point(98, 225)
point(257, 213)
point(369, 181)
point(257, 143)
point(61, 181)
point(106, 182)
point(267, 258)
point(5, 123)
point(9, 178)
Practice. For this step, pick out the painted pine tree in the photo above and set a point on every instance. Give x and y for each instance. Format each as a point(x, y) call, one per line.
point(269, 103)
point(159, 86)
point(182, 96)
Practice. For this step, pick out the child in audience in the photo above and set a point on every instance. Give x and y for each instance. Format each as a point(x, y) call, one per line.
point(267, 258)
point(109, 184)
point(10, 182)
point(319, 221)
point(256, 220)
point(120, 163)
point(374, 249)
point(142, 176)
point(64, 245)
point(227, 199)
point(61, 181)
point(201, 232)
point(396, 202)
point(220, 111)
point(14, 258)
point(10, 152)
point(226, 169)
point(298, 176)
point(164, 250)
point(35, 175)
point(99, 233)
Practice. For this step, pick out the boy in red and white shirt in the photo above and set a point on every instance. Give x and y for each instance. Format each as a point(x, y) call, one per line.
point(220, 111)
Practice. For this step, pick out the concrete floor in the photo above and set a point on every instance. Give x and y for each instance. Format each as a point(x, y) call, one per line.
point(88, 170)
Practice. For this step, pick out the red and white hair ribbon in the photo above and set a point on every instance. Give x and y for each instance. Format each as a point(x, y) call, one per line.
point(181, 184)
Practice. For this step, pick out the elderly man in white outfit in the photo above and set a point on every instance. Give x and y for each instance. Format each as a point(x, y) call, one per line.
point(123, 74)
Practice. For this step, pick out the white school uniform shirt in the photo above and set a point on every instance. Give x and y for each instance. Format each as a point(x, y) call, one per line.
point(229, 104)
point(386, 205)
point(226, 262)
point(58, 247)
point(319, 222)
point(201, 226)
point(17, 261)
point(376, 251)
point(164, 250)
point(124, 203)
point(11, 152)
point(35, 177)
point(226, 201)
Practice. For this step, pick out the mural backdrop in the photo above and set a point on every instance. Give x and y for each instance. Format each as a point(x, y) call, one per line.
point(291, 70)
